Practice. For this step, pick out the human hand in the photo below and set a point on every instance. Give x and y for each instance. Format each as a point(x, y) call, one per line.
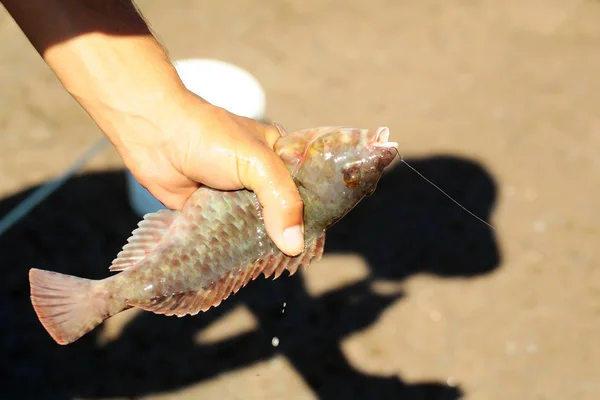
point(169, 138)
point(196, 143)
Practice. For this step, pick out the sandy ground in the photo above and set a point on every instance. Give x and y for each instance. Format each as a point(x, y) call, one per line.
point(498, 102)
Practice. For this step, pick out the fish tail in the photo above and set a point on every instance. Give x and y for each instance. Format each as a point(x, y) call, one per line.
point(67, 306)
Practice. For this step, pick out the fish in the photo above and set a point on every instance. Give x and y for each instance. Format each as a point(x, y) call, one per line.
point(182, 262)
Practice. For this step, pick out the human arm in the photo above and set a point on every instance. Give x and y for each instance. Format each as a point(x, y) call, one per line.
point(106, 57)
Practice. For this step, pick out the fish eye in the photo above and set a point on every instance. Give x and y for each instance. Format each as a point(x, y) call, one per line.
point(352, 176)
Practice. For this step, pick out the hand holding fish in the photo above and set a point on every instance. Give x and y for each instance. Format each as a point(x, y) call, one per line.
point(199, 143)
point(216, 237)
point(187, 261)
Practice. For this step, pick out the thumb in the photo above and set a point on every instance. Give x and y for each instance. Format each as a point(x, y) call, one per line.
point(266, 175)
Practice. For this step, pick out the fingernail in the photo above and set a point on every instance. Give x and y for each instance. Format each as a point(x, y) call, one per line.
point(294, 238)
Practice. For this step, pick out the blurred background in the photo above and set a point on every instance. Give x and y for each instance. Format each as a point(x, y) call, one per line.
point(498, 102)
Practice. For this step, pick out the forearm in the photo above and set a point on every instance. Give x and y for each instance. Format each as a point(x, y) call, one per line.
point(104, 54)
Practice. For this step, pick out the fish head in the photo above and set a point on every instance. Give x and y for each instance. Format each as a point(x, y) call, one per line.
point(336, 167)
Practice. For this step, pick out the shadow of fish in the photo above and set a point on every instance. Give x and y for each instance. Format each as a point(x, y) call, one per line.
point(184, 262)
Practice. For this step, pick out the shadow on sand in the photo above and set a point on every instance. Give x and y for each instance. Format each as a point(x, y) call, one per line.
point(407, 227)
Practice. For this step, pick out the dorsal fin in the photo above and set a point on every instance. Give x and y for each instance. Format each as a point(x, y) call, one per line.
point(191, 303)
point(144, 239)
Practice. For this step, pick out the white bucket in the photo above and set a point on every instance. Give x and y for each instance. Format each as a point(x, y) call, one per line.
point(219, 83)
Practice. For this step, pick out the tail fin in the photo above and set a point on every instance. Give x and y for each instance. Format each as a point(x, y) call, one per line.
point(66, 306)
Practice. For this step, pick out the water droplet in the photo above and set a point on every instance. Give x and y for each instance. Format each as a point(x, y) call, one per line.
point(275, 341)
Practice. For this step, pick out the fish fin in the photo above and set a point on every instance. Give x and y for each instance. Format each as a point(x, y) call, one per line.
point(192, 303)
point(314, 251)
point(279, 127)
point(67, 306)
point(144, 239)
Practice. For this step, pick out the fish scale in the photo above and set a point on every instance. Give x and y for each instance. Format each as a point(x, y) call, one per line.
point(231, 219)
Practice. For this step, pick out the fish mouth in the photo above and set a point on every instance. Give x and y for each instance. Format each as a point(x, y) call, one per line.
point(382, 134)
point(386, 151)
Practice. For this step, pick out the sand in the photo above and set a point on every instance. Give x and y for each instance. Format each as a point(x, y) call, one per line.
point(496, 102)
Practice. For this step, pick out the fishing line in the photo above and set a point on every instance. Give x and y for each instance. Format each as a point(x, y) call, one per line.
point(41, 193)
point(444, 193)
